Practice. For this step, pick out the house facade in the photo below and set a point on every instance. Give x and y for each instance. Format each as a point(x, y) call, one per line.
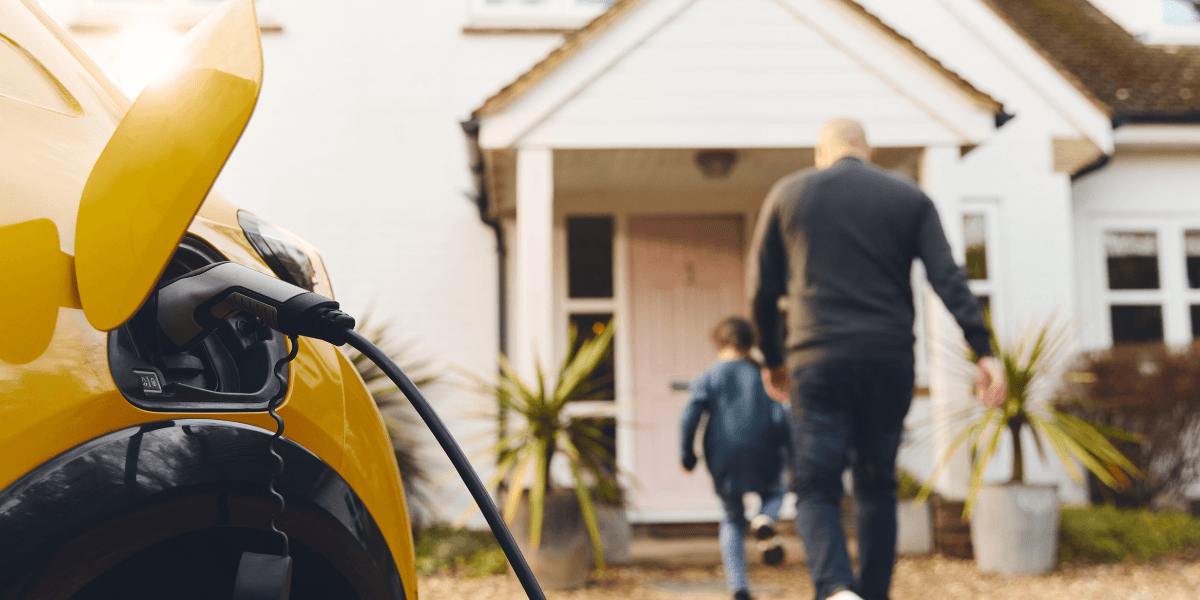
point(617, 155)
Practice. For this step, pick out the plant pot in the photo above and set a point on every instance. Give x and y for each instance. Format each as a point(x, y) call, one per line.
point(616, 533)
point(1015, 528)
point(951, 533)
point(562, 560)
point(914, 531)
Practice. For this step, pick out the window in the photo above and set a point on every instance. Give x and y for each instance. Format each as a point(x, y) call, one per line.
point(1132, 260)
point(535, 14)
point(587, 327)
point(1151, 281)
point(1191, 243)
point(1180, 12)
point(979, 237)
point(589, 257)
point(1133, 323)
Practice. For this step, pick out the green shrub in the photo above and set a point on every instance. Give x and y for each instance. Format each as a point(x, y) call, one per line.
point(1110, 534)
point(908, 487)
point(442, 549)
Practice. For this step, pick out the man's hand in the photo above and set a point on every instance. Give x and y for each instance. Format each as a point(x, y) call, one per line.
point(991, 385)
point(776, 382)
point(689, 462)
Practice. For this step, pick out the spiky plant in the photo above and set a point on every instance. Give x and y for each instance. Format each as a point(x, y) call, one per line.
point(548, 430)
point(1033, 365)
point(405, 428)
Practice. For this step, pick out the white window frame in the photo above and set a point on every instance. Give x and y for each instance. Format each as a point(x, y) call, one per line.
point(591, 408)
point(993, 286)
point(182, 14)
point(1173, 293)
point(562, 15)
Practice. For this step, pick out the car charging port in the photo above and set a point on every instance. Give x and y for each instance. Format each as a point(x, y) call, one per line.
point(230, 371)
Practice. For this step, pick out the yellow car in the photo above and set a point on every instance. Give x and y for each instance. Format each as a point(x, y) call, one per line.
point(128, 469)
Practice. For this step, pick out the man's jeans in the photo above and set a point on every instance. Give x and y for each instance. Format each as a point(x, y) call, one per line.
point(848, 413)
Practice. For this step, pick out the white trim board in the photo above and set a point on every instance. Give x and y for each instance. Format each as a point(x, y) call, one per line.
point(1074, 106)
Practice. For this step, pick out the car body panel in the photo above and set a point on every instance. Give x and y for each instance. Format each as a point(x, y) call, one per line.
point(56, 391)
point(161, 161)
point(366, 441)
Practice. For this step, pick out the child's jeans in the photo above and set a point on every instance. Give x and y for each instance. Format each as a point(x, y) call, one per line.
point(733, 539)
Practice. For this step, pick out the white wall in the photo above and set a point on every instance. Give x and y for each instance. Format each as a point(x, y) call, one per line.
point(355, 146)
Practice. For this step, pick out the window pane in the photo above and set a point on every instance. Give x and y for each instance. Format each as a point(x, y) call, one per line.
point(608, 434)
point(1191, 241)
point(1180, 12)
point(1137, 324)
point(975, 239)
point(1132, 260)
point(590, 257)
point(1196, 321)
point(588, 326)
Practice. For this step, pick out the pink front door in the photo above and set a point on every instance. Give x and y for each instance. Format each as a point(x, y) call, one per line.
point(686, 275)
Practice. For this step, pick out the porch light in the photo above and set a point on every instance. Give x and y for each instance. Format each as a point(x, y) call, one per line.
point(716, 164)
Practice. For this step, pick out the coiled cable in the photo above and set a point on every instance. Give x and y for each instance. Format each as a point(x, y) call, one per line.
point(273, 404)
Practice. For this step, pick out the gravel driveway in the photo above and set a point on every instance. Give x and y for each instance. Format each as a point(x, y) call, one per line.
point(916, 578)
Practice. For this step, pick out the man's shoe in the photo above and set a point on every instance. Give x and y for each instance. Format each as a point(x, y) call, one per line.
point(763, 527)
point(844, 594)
point(772, 551)
point(741, 595)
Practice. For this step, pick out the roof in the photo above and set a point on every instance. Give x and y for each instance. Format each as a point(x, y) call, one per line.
point(1126, 77)
point(581, 37)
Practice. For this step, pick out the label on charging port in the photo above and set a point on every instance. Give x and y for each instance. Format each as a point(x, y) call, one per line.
point(150, 381)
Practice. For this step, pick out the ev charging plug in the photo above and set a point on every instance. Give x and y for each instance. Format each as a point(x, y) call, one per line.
point(191, 306)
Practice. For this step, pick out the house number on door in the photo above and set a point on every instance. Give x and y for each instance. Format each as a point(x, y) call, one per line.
point(689, 273)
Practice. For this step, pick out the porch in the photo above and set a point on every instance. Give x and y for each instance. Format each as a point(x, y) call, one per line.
point(628, 168)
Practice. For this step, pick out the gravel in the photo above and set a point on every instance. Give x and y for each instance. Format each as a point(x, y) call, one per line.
point(934, 577)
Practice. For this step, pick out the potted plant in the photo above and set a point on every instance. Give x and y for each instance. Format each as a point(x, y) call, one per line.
point(914, 533)
point(1014, 525)
point(552, 525)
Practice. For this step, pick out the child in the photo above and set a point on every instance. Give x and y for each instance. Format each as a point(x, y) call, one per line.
point(744, 446)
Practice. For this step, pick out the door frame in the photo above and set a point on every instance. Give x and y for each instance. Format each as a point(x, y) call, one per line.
point(620, 305)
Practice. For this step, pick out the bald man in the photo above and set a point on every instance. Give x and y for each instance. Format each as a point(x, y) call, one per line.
point(839, 242)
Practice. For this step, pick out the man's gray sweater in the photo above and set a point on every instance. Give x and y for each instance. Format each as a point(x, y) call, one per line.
point(840, 244)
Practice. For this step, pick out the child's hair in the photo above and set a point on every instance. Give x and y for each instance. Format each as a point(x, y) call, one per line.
point(734, 332)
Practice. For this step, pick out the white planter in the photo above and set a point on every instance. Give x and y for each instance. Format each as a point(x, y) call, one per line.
point(564, 557)
point(616, 532)
point(914, 532)
point(1014, 529)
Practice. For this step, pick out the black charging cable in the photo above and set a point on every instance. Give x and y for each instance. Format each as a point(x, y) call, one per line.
point(532, 589)
point(272, 405)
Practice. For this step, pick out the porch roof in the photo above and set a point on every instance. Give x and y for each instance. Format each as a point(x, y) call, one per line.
point(576, 40)
point(716, 73)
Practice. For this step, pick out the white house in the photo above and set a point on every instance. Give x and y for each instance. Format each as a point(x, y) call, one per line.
point(621, 154)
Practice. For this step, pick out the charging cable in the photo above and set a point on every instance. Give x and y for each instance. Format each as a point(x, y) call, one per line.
point(191, 306)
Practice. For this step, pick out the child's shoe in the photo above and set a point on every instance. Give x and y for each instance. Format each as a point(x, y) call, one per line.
point(741, 595)
point(772, 551)
point(763, 527)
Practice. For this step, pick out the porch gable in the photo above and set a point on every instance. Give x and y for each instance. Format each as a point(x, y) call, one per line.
point(735, 73)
